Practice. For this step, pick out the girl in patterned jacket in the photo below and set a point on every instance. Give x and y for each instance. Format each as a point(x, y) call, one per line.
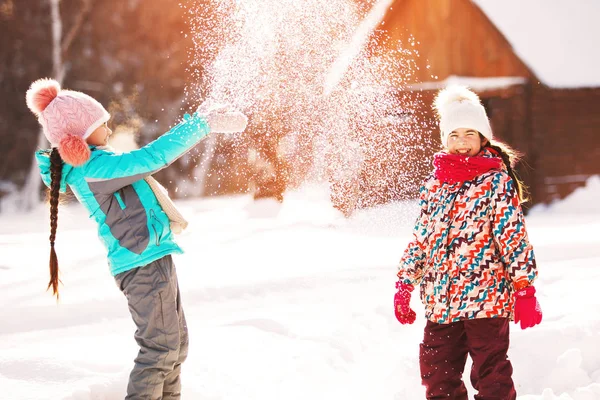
point(133, 218)
point(470, 257)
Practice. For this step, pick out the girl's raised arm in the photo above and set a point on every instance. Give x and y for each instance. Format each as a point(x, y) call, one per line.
point(109, 172)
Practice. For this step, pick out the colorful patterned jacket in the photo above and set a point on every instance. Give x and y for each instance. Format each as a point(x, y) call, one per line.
point(470, 248)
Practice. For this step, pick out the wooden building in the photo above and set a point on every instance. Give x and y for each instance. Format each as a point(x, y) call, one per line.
point(535, 66)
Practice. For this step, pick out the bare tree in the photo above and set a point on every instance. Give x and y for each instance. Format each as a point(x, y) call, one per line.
point(30, 194)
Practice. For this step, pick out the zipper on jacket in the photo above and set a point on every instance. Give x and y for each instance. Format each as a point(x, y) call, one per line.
point(450, 218)
point(156, 221)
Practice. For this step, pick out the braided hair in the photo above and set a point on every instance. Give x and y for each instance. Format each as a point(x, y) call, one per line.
point(56, 167)
point(510, 157)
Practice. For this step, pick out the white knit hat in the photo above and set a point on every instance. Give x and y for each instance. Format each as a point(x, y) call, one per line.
point(458, 107)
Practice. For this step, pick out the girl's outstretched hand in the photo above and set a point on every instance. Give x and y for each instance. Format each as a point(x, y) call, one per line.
point(404, 314)
point(527, 308)
point(222, 118)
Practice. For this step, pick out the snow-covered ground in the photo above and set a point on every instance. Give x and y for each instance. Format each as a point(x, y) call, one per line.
point(283, 302)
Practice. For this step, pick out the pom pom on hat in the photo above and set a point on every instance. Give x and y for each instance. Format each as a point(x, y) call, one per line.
point(68, 118)
point(459, 107)
point(41, 93)
point(453, 94)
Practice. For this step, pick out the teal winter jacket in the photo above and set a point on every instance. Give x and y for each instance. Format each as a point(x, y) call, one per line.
point(111, 186)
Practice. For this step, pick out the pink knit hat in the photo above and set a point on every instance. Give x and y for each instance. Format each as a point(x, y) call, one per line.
point(67, 117)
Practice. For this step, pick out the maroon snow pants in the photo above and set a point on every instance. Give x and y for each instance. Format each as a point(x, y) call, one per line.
point(443, 355)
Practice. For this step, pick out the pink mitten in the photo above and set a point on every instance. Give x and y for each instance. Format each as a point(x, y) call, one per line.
point(527, 308)
point(402, 304)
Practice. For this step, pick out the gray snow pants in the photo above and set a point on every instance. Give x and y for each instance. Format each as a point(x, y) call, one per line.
point(153, 296)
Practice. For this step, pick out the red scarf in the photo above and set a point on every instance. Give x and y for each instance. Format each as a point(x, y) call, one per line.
point(455, 168)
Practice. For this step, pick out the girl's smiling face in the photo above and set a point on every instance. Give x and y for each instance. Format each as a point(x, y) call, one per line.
point(466, 142)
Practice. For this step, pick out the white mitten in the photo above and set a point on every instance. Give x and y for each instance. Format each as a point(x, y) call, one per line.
point(221, 118)
point(228, 122)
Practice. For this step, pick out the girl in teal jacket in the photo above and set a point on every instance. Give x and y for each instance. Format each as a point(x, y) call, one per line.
point(131, 221)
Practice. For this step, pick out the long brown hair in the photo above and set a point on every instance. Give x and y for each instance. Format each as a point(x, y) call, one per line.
point(56, 167)
point(510, 157)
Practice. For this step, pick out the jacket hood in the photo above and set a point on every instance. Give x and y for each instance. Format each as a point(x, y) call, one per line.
point(43, 159)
